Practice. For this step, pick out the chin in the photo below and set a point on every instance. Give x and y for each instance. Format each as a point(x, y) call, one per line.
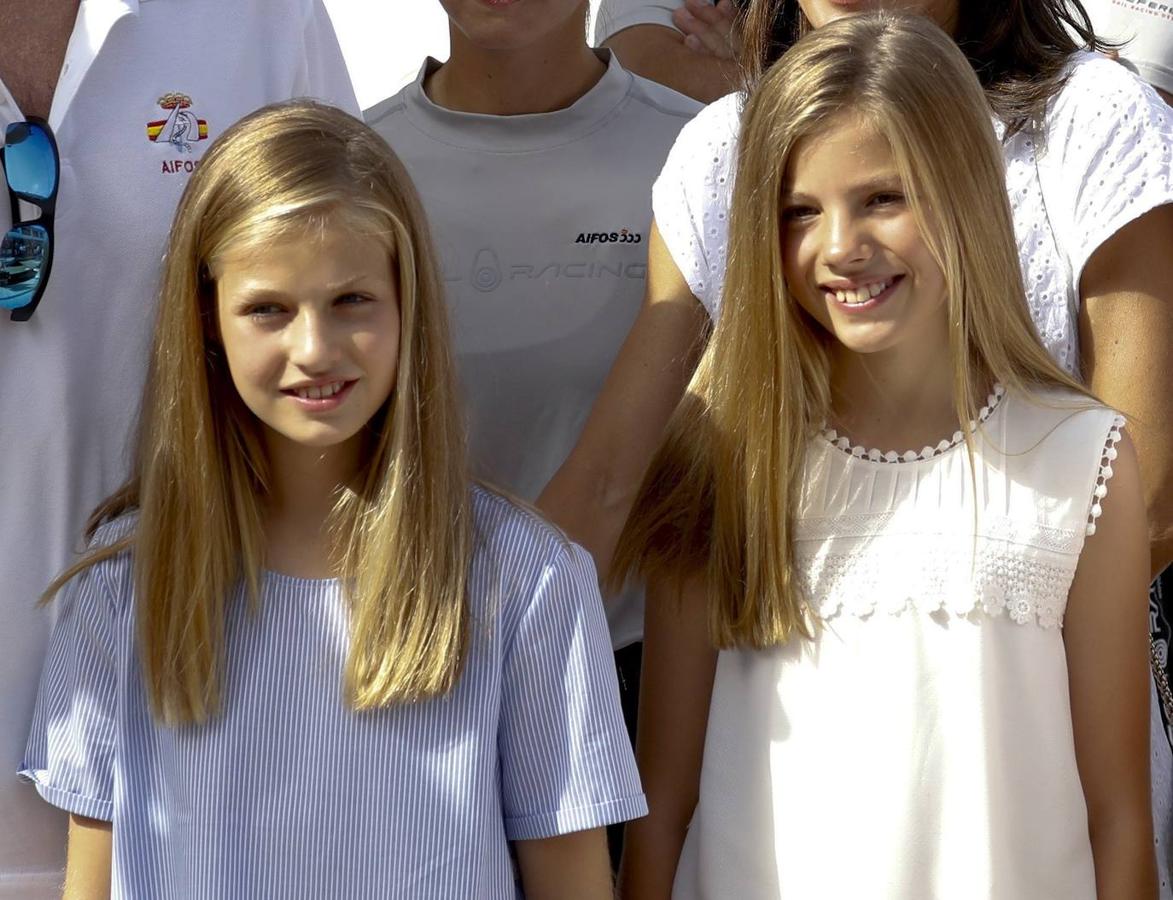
point(866, 345)
point(316, 438)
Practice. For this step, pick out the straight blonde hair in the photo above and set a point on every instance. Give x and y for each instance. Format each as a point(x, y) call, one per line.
point(719, 499)
point(401, 534)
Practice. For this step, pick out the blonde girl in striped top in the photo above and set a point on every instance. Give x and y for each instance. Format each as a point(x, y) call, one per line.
point(304, 656)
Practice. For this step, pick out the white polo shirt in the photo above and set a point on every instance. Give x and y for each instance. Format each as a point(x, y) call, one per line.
point(71, 378)
point(1147, 27)
point(541, 222)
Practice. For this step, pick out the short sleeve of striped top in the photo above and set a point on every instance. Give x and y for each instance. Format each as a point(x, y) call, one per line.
point(74, 739)
point(288, 792)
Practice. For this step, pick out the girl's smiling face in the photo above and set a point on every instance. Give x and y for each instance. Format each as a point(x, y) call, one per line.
point(310, 327)
point(853, 252)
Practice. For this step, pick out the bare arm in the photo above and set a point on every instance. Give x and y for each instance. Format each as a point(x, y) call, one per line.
point(87, 867)
point(1126, 342)
point(660, 53)
point(1105, 634)
point(676, 686)
point(590, 495)
point(567, 867)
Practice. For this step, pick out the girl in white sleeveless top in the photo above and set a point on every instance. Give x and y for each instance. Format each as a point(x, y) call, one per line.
point(875, 672)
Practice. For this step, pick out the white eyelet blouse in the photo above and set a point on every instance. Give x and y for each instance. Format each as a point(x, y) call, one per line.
point(1104, 158)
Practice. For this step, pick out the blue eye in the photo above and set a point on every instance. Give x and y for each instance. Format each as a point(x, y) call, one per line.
point(352, 299)
point(887, 198)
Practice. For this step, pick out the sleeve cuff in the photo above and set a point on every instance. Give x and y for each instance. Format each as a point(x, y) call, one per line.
point(565, 821)
point(78, 804)
point(608, 26)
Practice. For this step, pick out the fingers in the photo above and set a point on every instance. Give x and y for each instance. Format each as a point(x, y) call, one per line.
point(707, 27)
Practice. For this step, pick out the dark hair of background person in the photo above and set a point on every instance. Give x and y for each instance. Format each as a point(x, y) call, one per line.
point(1018, 48)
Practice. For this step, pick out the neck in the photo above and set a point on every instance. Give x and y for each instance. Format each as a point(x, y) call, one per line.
point(547, 76)
point(892, 402)
point(304, 484)
point(32, 49)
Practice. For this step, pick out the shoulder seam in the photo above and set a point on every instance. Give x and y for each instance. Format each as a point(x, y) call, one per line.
point(383, 109)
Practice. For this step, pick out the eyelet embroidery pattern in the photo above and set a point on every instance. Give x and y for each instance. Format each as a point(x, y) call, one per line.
point(1101, 488)
point(843, 443)
point(692, 196)
point(1117, 160)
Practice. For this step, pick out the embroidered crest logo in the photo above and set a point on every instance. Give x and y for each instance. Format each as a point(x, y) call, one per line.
point(181, 128)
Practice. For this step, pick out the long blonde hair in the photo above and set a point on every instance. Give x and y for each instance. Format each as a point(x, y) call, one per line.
point(719, 499)
point(402, 533)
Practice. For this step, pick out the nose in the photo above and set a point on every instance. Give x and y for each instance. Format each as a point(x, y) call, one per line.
point(847, 240)
point(313, 345)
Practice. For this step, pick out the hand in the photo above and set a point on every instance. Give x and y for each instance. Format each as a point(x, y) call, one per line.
point(707, 27)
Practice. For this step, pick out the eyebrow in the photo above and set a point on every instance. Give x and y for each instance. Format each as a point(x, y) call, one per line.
point(871, 186)
point(260, 291)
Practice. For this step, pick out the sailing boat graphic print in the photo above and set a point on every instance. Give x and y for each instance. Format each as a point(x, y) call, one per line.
point(182, 127)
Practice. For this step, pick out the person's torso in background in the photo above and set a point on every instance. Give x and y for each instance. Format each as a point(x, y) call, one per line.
point(146, 87)
point(1145, 27)
point(541, 225)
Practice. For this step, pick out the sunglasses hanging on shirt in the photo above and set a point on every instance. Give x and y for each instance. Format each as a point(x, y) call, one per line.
point(32, 169)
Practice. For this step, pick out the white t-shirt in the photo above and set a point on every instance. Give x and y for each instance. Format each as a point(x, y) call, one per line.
point(615, 15)
point(72, 376)
point(1147, 26)
point(541, 223)
point(1106, 157)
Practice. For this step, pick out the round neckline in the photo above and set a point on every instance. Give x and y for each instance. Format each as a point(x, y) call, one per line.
point(843, 444)
point(273, 575)
point(522, 133)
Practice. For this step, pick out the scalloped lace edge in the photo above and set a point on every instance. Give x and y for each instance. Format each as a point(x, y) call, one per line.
point(1100, 491)
point(843, 443)
point(860, 585)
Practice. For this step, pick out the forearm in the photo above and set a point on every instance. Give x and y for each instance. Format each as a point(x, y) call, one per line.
point(566, 867)
point(87, 867)
point(675, 691)
point(651, 852)
point(659, 53)
point(589, 500)
point(1126, 867)
point(591, 494)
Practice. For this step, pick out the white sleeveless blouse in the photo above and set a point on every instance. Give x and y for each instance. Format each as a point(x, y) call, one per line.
point(921, 746)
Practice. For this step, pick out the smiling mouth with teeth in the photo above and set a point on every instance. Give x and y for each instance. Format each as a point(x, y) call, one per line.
point(319, 392)
point(862, 294)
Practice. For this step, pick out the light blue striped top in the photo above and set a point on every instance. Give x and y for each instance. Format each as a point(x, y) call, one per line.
point(288, 793)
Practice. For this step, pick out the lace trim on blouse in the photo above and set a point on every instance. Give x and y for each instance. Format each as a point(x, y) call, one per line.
point(843, 443)
point(953, 581)
point(1101, 488)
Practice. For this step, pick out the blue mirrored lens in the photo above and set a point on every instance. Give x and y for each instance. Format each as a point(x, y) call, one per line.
point(29, 160)
point(22, 265)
